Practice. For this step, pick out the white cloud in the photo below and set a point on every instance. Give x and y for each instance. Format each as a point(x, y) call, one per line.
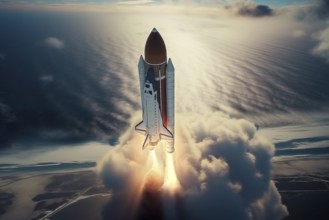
point(322, 48)
point(54, 42)
point(316, 15)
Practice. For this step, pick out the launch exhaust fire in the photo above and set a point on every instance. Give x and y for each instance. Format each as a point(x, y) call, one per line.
point(171, 182)
point(165, 170)
point(155, 166)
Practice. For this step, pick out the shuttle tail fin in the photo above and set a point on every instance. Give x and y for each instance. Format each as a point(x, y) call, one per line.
point(146, 142)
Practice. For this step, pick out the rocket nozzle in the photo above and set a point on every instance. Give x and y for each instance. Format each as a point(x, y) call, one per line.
point(170, 147)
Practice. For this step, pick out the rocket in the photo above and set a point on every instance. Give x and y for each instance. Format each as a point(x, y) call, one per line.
point(157, 88)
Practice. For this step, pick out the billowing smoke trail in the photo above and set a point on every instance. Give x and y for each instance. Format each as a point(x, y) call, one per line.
point(223, 172)
point(225, 167)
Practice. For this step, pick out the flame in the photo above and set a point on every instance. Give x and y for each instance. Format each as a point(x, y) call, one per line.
point(164, 169)
point(171, 182)
point(154, 161)
point(153, 174)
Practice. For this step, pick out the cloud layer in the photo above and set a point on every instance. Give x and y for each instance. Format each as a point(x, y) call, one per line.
point(317, 15)
point(241, 67)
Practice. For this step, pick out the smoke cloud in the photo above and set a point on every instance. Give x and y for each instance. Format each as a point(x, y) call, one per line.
point(222, 164)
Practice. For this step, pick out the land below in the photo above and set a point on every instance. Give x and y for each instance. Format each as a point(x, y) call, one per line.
point(302, 183)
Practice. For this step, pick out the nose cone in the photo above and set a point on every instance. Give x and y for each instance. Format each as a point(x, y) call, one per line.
point(155, 48)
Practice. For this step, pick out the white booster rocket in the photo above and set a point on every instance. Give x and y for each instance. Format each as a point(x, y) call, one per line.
point(157, 87)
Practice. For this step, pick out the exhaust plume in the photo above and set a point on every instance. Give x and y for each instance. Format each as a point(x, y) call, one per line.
point(223, 172)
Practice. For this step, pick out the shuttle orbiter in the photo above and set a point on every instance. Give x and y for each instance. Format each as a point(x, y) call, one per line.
point(157, 87)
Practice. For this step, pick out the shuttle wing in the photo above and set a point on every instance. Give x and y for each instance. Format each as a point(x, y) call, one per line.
point(141, 127)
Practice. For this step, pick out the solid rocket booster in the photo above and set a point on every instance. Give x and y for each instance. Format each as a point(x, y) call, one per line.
point(157, 87)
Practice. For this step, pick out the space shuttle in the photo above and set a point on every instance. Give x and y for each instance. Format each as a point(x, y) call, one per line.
point(157, 88)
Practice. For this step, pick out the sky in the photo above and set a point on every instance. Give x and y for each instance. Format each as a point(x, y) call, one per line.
point(262, 2)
